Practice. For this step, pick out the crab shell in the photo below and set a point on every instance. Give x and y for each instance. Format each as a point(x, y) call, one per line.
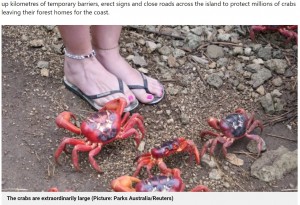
point(234, 125)
point(160, 183)
point(166, 149)
point(101, 127)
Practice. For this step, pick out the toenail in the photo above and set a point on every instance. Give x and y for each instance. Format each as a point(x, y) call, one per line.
point(130, 98)
point(150, 97)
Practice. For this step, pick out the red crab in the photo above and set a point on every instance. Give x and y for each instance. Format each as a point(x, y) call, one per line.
point(100, 128)
point(156, 155)
point(171, 182)
point(233, 127)
point(288, 31)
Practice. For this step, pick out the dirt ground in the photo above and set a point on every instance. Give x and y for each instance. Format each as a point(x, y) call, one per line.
point(30, 103)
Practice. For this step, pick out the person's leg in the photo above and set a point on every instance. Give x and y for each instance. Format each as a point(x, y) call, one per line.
point(88, 74)
point(105, 40)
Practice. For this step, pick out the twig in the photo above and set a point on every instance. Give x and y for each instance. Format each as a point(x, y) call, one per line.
point(288, 61)
point(200, 76)
point(219, 43)
point(208, 57)
point(48, 169)
point(169, 81)
point(53, 168)
point(31, 133)
point(202, 46)
point(227, 44)
point(272, 135)
point(246, 153)
point(283, 117)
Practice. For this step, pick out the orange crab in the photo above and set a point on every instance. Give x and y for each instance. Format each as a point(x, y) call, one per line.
point(156, 155)
point(171, 182)
point(99, 129)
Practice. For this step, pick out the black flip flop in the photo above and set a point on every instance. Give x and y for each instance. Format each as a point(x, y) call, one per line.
point(145, 87)
point(90, 98)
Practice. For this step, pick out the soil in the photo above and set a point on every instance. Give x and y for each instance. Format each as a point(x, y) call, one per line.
point(31, 102)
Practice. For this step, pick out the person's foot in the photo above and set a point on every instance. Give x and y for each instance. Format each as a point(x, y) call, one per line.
point(117, 65)
point(92, 79)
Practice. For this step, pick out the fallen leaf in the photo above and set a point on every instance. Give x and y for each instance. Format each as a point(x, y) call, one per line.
point(233, 159)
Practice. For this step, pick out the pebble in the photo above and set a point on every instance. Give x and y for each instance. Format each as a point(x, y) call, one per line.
point(37, 43)
point(140, 61)
point(238, 51)
point(261, 90)
point(258, 61)
point(208, 161)
point(277, 81)
point(199, 60)
point(45, 72)
point(151, 46)
point(171, 61)
point(43, 64)
point(276, 93)
point(165, 50)
point(214, 51)
point(141, 147)
point(143, 70)
point(170, 121)
point(247, 51)
point(215, 174)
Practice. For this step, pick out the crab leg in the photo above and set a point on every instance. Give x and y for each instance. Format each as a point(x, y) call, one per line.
point(124, 119)
point(226, 144)
point(192, 149)
point(93, 153)
point(79, 148)
point(135, 121)
point(255, 124)
point(214, 144)
point(129, 133)
point(148, 163)
point(63, 144)
point(162, 167)
point(259, 141)
point(203, 133)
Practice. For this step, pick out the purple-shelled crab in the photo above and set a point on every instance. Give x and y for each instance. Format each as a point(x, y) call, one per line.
point(233, 127)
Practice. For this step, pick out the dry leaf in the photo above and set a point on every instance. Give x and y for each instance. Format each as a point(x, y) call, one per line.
point(233, 159)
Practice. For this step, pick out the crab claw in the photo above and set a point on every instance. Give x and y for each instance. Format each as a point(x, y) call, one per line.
point(118, 105)
point(124, 184)
point(63, 120)
point(214, 122)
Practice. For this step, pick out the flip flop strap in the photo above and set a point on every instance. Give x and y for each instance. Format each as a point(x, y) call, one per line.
point(101, 95)
point(141, 86)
